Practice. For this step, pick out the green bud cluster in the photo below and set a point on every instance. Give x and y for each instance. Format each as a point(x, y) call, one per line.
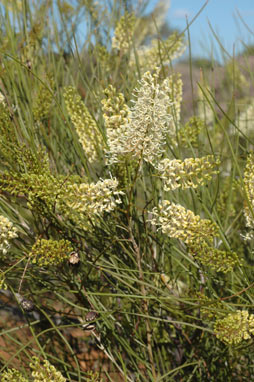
point(124, 32)
point(8, 138)
point(235, 327)
point(188, 134)
point(32, 43)
point(219, 260)
point(89, 135)
point(41, 190)
point(6, 128)
point(50, 252)
point(104, 57)
point(44, 99)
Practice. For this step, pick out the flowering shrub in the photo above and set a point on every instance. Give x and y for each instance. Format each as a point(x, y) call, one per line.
point(124, 218)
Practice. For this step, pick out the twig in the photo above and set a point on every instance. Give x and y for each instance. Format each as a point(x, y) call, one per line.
point(23, 275)
point(238, 293)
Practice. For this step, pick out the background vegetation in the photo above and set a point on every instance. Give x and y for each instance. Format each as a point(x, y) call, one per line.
point(126, 199)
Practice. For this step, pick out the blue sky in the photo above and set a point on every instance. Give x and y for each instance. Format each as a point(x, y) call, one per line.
point(223, 17)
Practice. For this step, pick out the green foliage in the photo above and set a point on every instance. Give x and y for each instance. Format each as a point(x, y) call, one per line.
point(116, 215)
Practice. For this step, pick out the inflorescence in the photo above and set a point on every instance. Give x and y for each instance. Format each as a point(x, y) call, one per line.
point(84, 203)
point(249, 188)
point(124, 32)
point(190, 173)
point(235, 327)
point(177, 222)
point(89, 135)
point(50, 252)
point(148, 122)
point(7, 233)
point(40, 372)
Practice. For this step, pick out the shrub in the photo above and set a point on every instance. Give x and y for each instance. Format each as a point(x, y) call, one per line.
point(116, 216)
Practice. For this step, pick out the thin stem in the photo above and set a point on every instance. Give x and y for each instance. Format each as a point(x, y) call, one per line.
point(23, 275)
point(145, 302)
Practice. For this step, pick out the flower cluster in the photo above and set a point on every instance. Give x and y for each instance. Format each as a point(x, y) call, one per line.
point(43, 100)
point(45, 372)
point(32, 179)
point(149, 122)
point(219, 260)
point(249, 188)
point(116, 116)
point(94, 198)
point(84, 202)
point(31, 45)
point(41, 190)
point(42, 372)
point(89, 135)
point(103, 57)
point(12, 375)
point(177, 222)
point(7, 132)
point(188, 134)
point(115, 111)
point(190, 173)
point(69, 198)
point(50, 252)
point(7, 233)
point(124, 32)
point(235, 327)
point(159, 52)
